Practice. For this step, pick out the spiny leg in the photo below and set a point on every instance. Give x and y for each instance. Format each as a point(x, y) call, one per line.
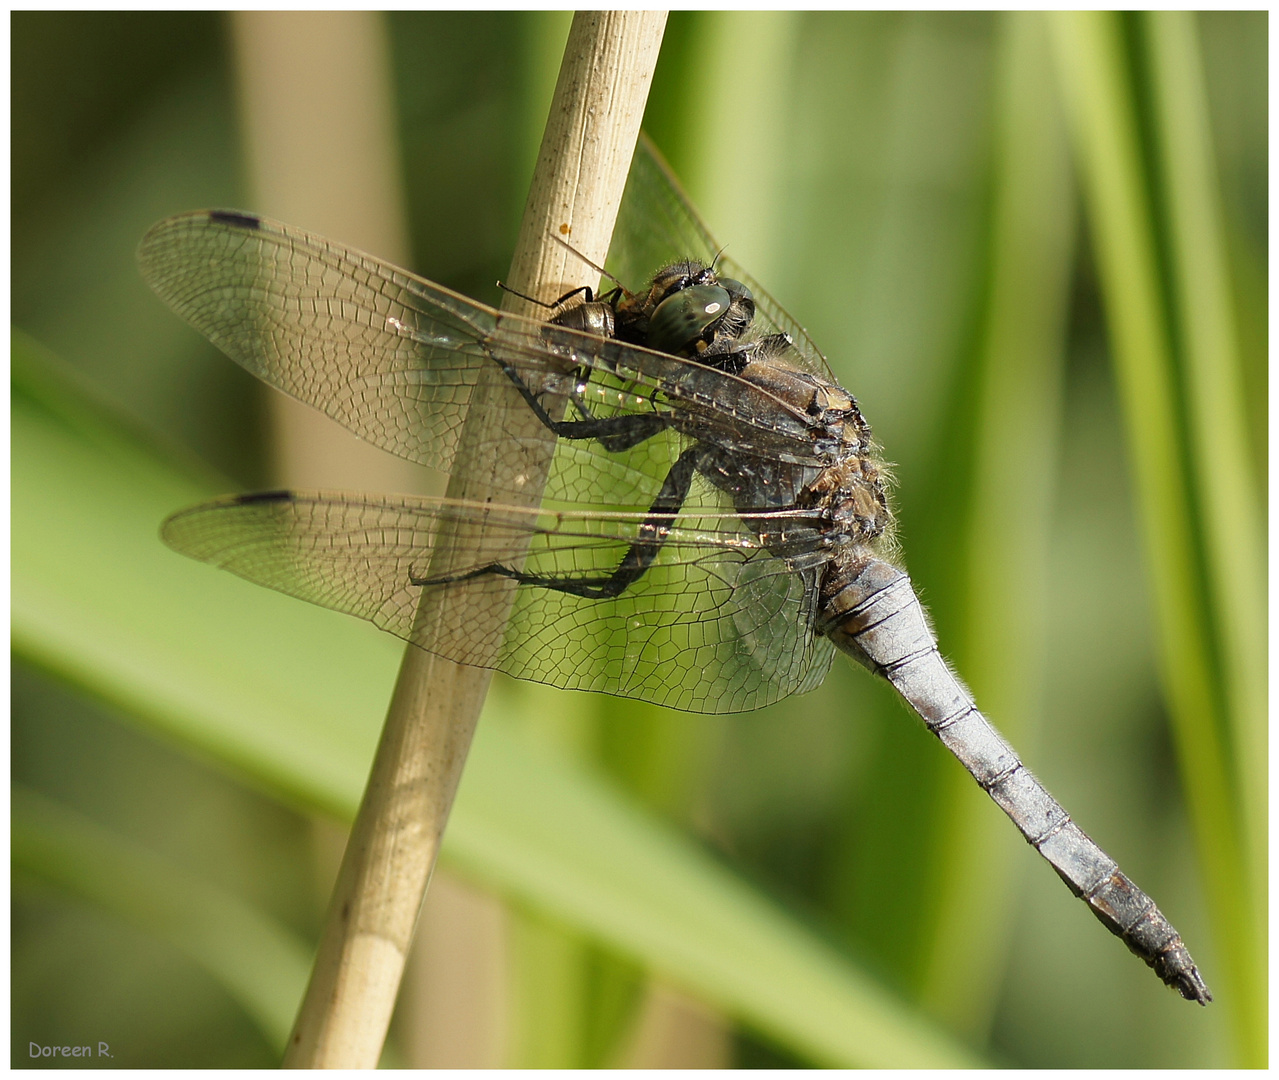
point(638, 558)
point(615, 433)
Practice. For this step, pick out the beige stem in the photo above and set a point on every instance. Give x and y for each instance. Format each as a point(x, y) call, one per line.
point(318, 122)
point(581, 171)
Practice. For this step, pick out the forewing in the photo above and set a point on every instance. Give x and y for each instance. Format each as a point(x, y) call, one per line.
point(717, 624)
point(657, 225)
point(395, 358)
point(387, 354)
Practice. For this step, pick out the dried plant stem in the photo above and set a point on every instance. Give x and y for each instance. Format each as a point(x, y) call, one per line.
point(318, 125)
point(581, 171)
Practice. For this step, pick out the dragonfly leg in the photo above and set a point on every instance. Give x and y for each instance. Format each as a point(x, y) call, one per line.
point(639, 556)
point(728, 354)
point(615, 433)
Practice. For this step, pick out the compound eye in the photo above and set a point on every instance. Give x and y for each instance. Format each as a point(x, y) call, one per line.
point(737, 289)
point(682, 318)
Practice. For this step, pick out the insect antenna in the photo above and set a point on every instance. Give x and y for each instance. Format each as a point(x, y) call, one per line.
point(594, 266)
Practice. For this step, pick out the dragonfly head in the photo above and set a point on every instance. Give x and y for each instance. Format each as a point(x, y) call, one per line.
point(698, 313)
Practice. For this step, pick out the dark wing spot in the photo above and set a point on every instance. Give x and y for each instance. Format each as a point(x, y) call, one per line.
point(235, 218)
point(281, 495)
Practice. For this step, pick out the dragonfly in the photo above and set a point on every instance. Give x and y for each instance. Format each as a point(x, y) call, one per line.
point(715, 522)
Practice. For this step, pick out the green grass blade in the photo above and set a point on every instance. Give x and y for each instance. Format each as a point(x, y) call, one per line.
point(704, 928)
point(1017, 422)
point(292, 697)
point(766, 44)
point(262, 964)
point(1227, 488)
point(1099, 98)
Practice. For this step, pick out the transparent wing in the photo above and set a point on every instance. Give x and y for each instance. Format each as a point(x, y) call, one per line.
point(657, 225)
point(396, 359)
point(717, 624)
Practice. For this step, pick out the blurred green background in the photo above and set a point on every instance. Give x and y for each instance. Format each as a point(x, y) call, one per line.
point(1033, 246)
